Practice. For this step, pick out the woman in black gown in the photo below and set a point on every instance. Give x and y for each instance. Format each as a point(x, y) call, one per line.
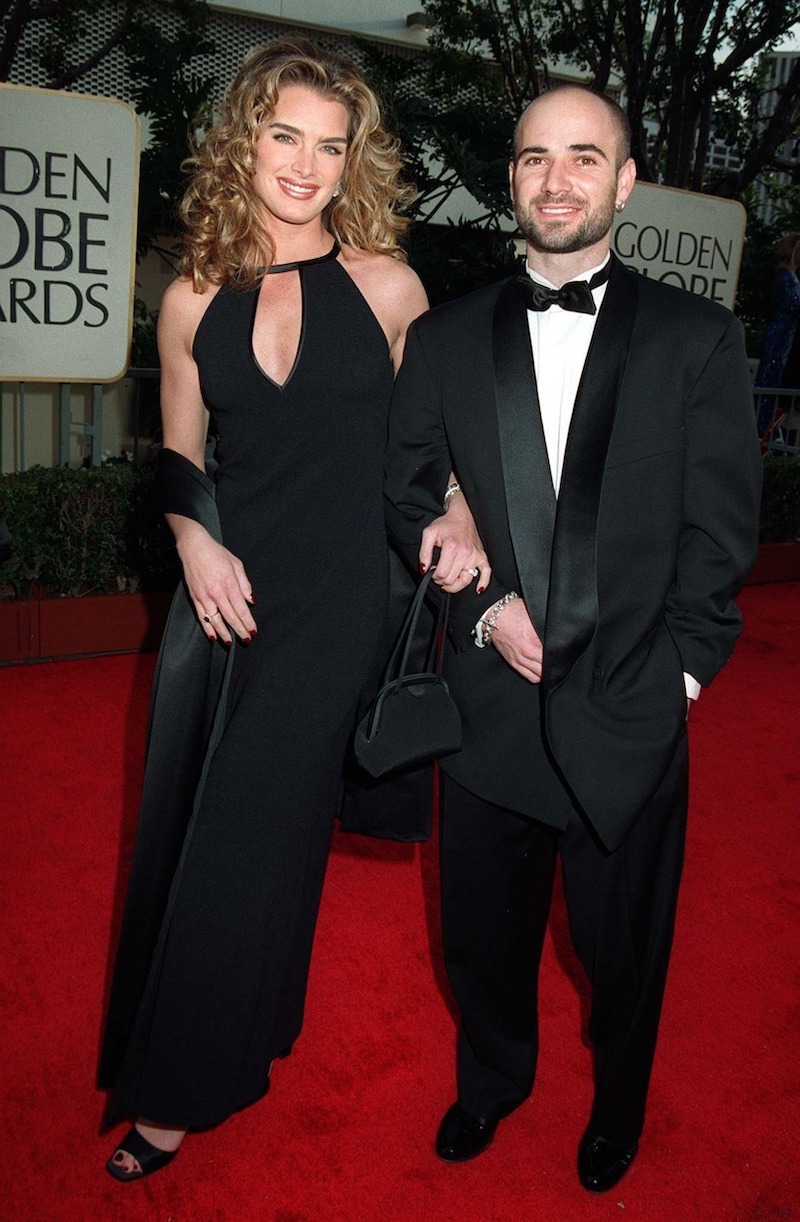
point(286, 326)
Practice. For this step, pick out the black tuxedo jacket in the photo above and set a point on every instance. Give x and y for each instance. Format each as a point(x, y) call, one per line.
point(629, 577)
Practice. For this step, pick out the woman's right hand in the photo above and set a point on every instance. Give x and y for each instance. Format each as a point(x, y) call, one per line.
point(217, 583)
point(462, 557)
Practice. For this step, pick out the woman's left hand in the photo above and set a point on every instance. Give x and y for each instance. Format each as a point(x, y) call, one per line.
point(462, 559)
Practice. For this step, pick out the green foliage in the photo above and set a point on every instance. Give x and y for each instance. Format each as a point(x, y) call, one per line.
point(53, 37)
point(455, 132)
point(454, 259)
point(167, 90)
point(82, 531)
point(498, 50)
point(687, 73)
point(176, 101)
point(780, 503)
point(685, 70)
point(144, 346)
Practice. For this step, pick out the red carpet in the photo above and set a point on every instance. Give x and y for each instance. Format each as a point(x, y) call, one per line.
point(346, 1132)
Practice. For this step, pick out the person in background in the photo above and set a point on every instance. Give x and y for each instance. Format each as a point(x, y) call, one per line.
point(780, 334)
point(286, 325)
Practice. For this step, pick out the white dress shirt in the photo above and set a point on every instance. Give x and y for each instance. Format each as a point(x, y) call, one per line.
point(560, 342)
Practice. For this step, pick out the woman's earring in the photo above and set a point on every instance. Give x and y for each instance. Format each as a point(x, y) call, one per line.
point(337, 191)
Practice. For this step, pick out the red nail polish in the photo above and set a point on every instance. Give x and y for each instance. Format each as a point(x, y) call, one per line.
point(253, 599)
point(480, 589)
point(213, 639)
point(422, 568)
point(248, 640)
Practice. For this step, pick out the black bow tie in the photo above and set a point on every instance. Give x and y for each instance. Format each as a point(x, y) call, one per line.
point(574, 295)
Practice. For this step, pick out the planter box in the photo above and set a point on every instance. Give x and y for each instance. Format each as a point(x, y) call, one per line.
point(118, 623)
point(19, 630)
point(74, 627)
point(776, 562)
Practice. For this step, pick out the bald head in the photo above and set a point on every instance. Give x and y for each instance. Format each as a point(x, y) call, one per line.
point(582, 96)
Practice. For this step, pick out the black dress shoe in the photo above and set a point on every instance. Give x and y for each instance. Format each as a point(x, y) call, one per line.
point(602, 1163)
point(462, 1136)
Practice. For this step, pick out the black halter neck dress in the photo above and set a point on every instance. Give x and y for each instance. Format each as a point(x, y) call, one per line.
point(211, 972)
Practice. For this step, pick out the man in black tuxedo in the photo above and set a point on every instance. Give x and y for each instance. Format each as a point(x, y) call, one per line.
point(604, 437)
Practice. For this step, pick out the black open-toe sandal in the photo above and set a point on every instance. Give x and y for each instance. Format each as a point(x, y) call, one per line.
point(148, 1156)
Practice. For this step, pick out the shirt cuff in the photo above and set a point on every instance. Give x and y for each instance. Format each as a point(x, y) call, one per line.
point(690, 683)
point(692, 686)
point(477, 631)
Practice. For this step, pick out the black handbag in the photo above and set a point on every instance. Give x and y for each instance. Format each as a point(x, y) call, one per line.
point(412, 718)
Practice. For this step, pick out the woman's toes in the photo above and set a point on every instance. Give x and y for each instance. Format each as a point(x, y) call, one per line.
point(126, 1161)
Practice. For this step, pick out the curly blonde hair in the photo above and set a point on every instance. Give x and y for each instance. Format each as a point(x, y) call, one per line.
point(226, 239)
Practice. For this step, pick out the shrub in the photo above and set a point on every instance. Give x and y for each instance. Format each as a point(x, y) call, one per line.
point(82, 531)
point(89, 530)
point(780, 503)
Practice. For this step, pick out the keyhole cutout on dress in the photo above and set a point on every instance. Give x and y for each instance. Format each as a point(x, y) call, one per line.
point(278, 326)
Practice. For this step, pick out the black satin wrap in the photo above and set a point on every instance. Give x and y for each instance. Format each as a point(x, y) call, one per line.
point(181, 487)
point(187, 713)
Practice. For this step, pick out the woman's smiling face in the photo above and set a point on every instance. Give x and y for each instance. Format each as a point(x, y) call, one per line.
point(300, 154)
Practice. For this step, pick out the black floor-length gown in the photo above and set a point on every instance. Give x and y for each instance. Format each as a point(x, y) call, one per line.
point(245, 750)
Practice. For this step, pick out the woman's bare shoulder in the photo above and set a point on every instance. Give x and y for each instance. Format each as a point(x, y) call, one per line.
point(381, 268)
point(392, 288)
point(182, 309)
point(180, 299)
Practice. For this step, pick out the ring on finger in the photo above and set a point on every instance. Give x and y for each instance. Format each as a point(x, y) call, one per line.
point(208, 618)
point(472, 572)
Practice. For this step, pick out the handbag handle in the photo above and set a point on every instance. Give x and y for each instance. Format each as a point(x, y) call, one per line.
point(406, 634)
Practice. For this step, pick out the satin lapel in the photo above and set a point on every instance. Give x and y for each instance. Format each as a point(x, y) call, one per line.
point(530, 498)
point(572, 608)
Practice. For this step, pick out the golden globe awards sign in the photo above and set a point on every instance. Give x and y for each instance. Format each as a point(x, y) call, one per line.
point(683, 238)
point(69, 174)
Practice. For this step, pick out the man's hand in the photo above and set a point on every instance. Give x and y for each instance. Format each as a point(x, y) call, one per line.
point(516, 639)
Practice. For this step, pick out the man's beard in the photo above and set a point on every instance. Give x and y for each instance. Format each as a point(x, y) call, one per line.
point(557, 239)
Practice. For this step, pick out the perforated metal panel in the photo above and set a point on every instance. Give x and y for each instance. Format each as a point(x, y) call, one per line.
point(233, 36)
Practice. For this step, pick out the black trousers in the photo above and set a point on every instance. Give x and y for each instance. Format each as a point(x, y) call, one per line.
point(497, 880)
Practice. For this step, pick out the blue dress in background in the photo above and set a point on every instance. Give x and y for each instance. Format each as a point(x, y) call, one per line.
point(778, 340)
point(779, 335)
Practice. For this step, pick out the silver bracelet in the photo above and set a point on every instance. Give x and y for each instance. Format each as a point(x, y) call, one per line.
point(451, 490)
point(488, 621)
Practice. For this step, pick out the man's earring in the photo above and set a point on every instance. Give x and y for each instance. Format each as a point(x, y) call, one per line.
point(618, 207)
